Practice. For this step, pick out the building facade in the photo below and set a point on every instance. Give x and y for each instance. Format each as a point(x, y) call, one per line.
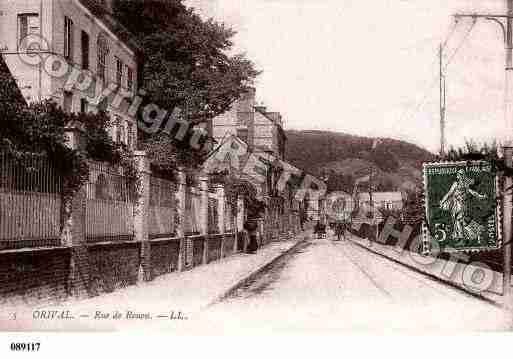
point(84, 35)
point(262, 130)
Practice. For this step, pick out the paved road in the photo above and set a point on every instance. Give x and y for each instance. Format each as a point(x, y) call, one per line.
point(339, 285)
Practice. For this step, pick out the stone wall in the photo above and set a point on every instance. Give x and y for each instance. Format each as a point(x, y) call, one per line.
point(34, 276)
point(164, 257)
point(112, 267)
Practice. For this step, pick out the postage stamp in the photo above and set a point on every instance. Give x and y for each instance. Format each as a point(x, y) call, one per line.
point(460, 206)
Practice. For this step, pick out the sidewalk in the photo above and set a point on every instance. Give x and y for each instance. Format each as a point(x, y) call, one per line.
point(436, 269)
point(152, 303)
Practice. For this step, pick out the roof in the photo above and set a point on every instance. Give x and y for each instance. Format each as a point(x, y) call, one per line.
point(113, 25)
point(268, 115)
point(227, 141)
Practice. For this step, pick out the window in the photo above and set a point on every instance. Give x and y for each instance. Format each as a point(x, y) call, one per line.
point(28, 24)
point(129, 78)
point(119, 71)
point(84, 105)
point(67, 104)
point(103, 51)
point(85, 50)
point(68, 38)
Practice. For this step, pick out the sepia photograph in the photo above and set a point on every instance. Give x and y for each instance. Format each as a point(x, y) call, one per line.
point(242, 167)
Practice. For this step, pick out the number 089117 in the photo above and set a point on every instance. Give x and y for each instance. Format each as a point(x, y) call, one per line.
point(25, 347)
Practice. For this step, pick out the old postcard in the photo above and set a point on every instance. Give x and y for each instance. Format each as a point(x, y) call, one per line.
point(207, 167)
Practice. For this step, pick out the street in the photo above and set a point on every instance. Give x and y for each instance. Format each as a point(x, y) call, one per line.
point(338, 285)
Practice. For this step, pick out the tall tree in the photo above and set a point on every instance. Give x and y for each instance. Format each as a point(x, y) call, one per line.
point(188, 61)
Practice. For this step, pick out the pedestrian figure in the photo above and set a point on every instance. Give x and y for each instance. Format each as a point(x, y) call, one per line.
point(318, 229)
point(340, 230)
point(251, 227)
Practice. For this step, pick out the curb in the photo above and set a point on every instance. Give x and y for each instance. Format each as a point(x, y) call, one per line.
point(251, 276)
point(433, 277)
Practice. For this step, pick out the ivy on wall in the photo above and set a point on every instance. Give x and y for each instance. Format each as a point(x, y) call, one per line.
point(235, 188)
point(39, 129)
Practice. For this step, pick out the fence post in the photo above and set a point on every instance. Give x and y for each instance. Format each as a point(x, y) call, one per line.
point(240, 223)
point(275, 232)
point(268, 220)
point(221, 214)
point(73, 233)
point(203, 179)
point(236, 228)
point(180, 208)
point(141, 214)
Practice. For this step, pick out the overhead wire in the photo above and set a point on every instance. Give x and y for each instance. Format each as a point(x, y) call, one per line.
point(430, 83)
point(465, 38)
point(449, 61)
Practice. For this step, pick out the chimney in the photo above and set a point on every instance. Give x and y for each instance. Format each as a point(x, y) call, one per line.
point(261, 108)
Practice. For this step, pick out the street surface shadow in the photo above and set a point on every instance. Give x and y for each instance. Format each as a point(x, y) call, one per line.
point(263, 281)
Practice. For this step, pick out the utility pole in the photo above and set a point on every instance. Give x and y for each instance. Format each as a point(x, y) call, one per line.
point(370, 192)
point(373, 210)
point(505, 22)
point(442, 104)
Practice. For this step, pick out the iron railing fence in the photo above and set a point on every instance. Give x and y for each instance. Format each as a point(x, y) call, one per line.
point(229, 219)
point(109, 214)
point(162, 209)
point(192, 211)
point(30, 202)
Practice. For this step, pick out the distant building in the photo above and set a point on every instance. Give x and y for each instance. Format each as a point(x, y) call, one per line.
point(260, 129)
point(385, 200)
point(85, 34)
point(337, 206)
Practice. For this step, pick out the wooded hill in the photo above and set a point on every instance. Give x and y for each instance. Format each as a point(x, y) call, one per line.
point(343, 158)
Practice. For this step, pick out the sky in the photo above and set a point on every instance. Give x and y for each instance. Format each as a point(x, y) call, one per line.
point(370, 67)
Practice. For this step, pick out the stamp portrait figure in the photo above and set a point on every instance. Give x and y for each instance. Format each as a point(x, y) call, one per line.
point(457, 201)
